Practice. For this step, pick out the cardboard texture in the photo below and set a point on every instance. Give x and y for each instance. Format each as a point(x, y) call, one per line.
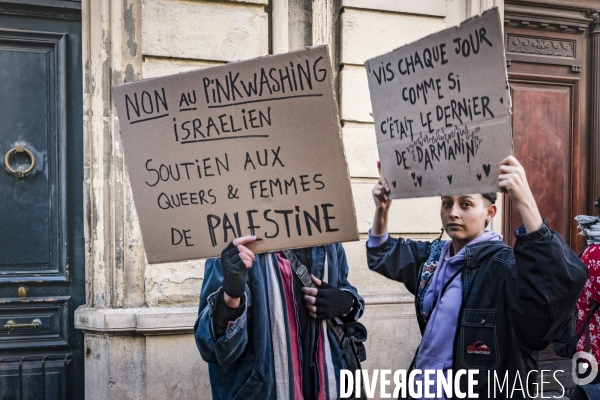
point(442, 111)
point(252, 147)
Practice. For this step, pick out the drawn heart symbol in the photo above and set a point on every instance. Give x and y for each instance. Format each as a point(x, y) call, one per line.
point(449, 179)
point(413, 175)
point(394, 183)
point(486, 169)
point(419, 179)
point(415, 184)
point(478, 177)
point(501, 100)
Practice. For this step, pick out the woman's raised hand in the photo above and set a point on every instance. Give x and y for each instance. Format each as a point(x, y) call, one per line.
point(512, 180)
point(382, 200)
point(381, 190)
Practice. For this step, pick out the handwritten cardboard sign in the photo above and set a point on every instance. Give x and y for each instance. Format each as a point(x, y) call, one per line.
point(442, 111)
point(251, 147)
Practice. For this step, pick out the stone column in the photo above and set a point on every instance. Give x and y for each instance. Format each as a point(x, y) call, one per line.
point(114, 252)
point(324, 19)
point(280, 26)
point(323, 11)
point(595, 106)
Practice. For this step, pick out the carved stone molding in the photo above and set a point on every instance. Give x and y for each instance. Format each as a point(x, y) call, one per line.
point(524, 15)
point(168, 320)
point(595, 25)
point(530, 45)
point(543, 26)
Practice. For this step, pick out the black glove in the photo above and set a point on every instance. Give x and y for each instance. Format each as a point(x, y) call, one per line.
point(234, 271)
point(332, 302)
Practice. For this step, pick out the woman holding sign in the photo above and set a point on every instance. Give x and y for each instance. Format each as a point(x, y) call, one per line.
point(263, 333)
point(481, 305)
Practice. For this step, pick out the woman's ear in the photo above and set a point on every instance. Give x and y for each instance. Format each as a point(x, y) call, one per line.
point(492, 210)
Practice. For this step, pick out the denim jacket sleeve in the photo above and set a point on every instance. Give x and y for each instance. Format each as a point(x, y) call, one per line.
point(227, 348)
point(343, 284)
point(400, 260)
point(543, 287)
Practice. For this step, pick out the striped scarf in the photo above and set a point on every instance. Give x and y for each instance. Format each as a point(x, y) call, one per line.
point(282, 349)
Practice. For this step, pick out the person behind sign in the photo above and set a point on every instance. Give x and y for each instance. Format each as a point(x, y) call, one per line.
point(263, 334)
point(481, 304)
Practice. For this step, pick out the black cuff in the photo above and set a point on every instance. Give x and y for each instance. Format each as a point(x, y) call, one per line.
point(224, 314)
point(521, 234)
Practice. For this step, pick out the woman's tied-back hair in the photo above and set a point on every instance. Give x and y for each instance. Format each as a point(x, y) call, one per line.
point(491, 197)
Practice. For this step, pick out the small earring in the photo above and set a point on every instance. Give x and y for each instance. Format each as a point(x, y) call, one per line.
point(439, 239)
point(487, 222)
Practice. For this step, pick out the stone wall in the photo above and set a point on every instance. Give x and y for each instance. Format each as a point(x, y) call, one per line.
point(138, 318)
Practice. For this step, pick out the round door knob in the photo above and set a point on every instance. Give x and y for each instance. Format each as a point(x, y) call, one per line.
point(19, 173)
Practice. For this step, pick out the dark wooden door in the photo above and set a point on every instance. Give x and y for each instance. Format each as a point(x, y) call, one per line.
point(548, 62)
point(41, 205)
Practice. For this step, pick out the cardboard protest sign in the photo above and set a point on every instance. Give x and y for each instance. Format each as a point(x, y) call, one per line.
point(442, 111)
point(251, 147)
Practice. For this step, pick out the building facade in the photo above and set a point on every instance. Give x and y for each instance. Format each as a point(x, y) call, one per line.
point(127, 325)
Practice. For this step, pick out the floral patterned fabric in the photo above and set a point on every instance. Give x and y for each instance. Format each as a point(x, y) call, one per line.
point(591, 291)
point(429, 268)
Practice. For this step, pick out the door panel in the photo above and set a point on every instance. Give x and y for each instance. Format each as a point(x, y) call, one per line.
point(42, 270)
point(32, 70)
point(35, 377)
point(48, 317)
point(542, 136)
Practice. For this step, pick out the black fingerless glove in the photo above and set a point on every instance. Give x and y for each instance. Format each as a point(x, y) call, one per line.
point(234, 271)
point(332, 302)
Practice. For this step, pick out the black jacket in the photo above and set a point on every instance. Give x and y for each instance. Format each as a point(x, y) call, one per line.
point(513, 300)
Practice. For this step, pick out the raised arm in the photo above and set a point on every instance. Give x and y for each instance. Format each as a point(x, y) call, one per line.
point(545, 283)
point(382, 205)
point(396, 259)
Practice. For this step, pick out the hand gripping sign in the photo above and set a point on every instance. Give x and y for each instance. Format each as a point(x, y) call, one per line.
point(248, 148)
point(442, 111)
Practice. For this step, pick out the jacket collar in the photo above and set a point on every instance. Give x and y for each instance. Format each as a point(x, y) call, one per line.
point(476, 253)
